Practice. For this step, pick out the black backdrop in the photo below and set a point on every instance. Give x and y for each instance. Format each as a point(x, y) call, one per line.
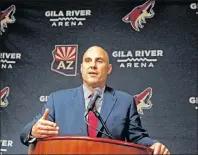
point(162, 56)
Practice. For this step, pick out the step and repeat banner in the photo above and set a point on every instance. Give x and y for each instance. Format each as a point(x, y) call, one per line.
point(152, 44)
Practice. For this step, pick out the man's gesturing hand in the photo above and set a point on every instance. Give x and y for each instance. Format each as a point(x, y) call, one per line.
point(160, 149)
point(44, 128)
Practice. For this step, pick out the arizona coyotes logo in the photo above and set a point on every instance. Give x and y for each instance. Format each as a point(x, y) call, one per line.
point(4, 94)
point(7, 17)
point(143, 100)
point(138, 15)
point(65, 59)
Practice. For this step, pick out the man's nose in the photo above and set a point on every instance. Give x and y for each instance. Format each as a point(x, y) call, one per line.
point(93, 64)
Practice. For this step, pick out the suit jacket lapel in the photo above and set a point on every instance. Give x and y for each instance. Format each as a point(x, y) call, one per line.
point(79, 109)
point(109, 100)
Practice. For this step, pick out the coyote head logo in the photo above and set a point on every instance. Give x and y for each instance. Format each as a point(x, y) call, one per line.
point(7, 17)
point(4, 94)
point(143, 100)
point(138, 15)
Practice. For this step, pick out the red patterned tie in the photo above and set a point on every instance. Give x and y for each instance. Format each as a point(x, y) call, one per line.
point(93, 121)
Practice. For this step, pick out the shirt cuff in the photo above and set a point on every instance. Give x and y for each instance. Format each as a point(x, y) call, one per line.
point(31, 138)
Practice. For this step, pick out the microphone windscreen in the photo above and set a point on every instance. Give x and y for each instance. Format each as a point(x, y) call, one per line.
point(97, 91)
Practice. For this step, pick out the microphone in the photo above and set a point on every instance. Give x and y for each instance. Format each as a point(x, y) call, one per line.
point(97, 114)
point(96, 94)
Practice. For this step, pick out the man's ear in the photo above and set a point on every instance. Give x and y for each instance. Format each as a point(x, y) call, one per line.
point(81, 68)
point(109, 69)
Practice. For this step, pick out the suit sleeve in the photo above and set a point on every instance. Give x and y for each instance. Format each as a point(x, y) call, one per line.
point(136, 133)
point(25, 133)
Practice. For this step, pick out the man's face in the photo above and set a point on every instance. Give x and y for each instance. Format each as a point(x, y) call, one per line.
point(95, 67)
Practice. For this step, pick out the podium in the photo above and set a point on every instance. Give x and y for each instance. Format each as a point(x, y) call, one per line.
point(86, 145)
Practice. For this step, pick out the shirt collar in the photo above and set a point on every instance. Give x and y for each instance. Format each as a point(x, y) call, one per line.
point(88, 92)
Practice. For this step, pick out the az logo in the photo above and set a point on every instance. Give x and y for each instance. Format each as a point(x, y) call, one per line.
point(65, 59)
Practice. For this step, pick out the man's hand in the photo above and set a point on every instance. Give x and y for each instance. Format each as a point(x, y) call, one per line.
point(44, 128)
point(159, 149)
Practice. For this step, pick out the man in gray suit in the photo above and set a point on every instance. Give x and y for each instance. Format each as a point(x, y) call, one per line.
point(64, 112)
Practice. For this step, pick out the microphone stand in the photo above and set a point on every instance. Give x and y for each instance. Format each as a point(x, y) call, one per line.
point(97, 114)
